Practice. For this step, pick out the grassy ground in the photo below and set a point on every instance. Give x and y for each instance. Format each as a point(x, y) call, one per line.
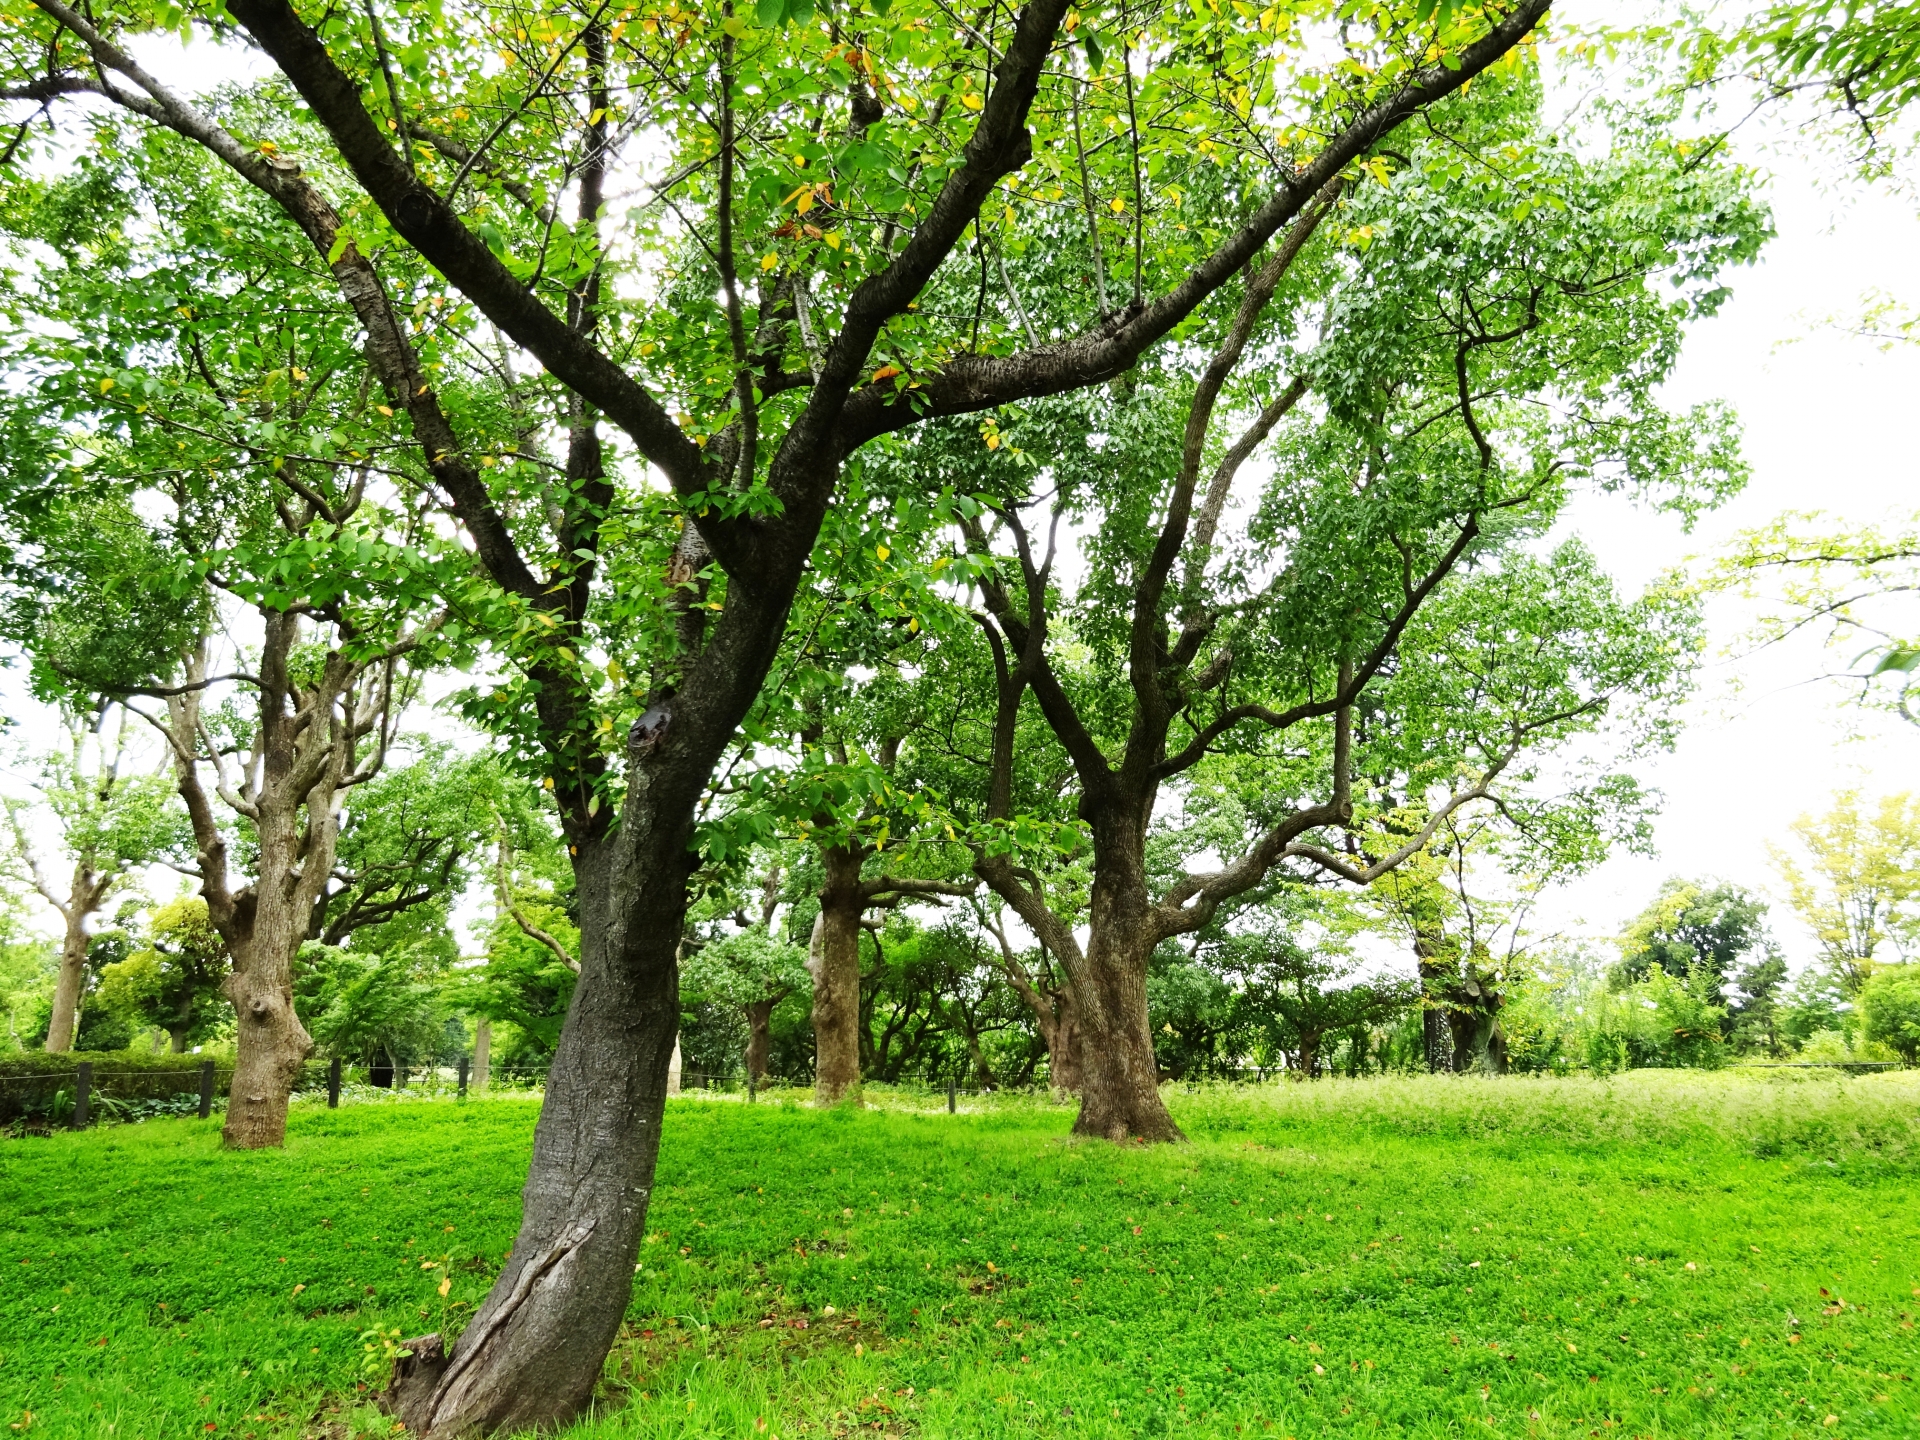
point(1662, 1255)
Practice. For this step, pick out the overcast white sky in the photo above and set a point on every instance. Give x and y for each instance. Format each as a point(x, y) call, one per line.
point(1829, 421)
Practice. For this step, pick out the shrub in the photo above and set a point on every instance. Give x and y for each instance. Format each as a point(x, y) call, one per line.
point(1890, 1009)
point(31, 1081)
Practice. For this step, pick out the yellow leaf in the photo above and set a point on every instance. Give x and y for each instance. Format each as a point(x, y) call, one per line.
point(384, 409)
point(970, 100)
point(993, 442)
point(769, 260)
point(1118, 206)
point(885, 372)
point(833, 238)
point(445, 1286)
point(106, 385)
point(881, 552)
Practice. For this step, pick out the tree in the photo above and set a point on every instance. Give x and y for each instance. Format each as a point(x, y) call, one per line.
point(1290, 993)
point(1858, 879)
point(384, 1007)
point(29, 968)
point(753, 969)
point(1389, 604)
point(175, 982)
point(1042, 982)
point(407, 842)
point(1691, 926)
point(313, 677)
point(1755, 1009)
point(1890, 1009)
point(111, 826)
point(1862, 59)
point(532, 1355)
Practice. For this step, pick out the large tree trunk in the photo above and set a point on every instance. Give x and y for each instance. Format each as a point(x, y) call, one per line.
point(1461, 1024)
point(1119, 1074)
point(482, 1054)
point(835, 963)
point(263, 938)
point(73, 972)
point(759, 1040)
point(533, 1353)
point(1310, 1053)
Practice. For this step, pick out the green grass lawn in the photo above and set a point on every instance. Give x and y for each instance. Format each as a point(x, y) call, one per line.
point(1661, 1255)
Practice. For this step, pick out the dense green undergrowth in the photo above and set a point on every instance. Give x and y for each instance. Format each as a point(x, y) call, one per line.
point(1662, 1255)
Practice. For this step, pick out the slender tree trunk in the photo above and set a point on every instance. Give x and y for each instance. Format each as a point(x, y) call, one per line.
point(482, 1054)
point(673, 1067)
point(759, 1039)
point(177, 1040)
point(835, 963)
point(1429, 950)
point(72, 977)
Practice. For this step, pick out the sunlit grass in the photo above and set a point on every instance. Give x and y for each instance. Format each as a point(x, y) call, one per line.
point(1418, 1257)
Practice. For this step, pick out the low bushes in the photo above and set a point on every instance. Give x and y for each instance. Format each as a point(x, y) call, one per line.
point(32, 1083)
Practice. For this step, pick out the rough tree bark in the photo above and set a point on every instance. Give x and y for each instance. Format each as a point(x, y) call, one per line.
point(306, 753)
point(759, 1039)
point(84, 897)
point(833, 958)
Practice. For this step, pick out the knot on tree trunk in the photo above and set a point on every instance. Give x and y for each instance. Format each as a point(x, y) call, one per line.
point(416, 1375)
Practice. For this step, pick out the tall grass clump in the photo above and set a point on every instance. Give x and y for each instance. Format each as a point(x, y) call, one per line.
point(1821, 1114)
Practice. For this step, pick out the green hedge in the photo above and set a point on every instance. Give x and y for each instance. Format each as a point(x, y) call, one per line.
point(29, 1081)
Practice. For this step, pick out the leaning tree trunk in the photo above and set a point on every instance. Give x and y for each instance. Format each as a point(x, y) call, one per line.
point(835, 963)
point(73, 973)
point(533, 1353)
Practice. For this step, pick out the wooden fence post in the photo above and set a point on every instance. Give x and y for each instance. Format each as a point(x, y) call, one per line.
point(333, 1084)
point(82, 1093)
point(206, 1088)
point(953, 1095)
point(463, 1077)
